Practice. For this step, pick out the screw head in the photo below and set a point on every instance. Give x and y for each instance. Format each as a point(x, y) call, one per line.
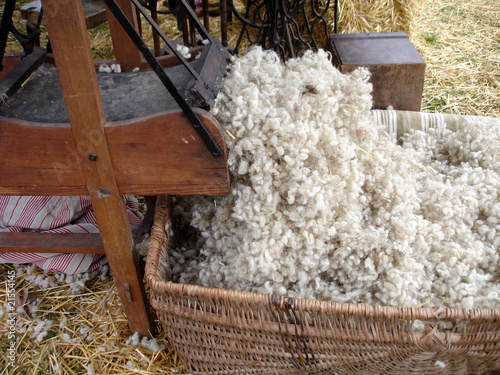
point(92, 157)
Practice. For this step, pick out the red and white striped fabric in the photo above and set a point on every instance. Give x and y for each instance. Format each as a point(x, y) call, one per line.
point(54, 214)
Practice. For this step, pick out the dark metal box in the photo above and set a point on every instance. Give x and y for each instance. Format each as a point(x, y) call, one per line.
point(396, 66)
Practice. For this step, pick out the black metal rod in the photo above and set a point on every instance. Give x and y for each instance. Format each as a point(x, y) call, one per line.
point(165, 79)
point(223, 21)
point(336, 16)
point(277, 26)
point(8, 11)
point(245, 21)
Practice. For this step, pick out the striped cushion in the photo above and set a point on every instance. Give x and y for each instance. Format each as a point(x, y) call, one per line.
point(53, 214)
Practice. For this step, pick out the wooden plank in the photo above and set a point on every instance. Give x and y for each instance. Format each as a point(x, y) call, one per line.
point(71, 46)
point(17, 76)
point(84, 243)
point(152, 6)
point(165, 61)
point(125, 50)
point(163, 154)
point(95, 12)
point(39, 159)
point(156, 154)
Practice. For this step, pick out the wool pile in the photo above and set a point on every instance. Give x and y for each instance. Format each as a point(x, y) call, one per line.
point(326, 205)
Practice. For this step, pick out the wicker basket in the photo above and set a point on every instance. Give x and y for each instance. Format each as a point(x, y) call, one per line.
point(218, 331)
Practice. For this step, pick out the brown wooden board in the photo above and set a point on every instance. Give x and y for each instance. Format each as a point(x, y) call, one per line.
point(125, 50)
point(163, 153)
point(375, 49)
point(397, 69)
point(95, 12)
point(103, 160)
point(38, 159)
point(84, 243)
point(165, 61)
point(160, 153)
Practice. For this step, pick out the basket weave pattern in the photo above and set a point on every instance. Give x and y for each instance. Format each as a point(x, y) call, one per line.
point(219, 331)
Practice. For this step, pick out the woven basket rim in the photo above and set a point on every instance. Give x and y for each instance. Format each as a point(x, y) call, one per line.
point(158, 238)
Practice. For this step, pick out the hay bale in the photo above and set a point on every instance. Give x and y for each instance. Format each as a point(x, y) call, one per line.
point(360, 16)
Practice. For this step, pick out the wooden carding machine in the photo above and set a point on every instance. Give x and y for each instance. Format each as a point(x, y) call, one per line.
point(68, 129)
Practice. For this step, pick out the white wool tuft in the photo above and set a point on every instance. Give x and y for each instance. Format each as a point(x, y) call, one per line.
point(116, 68)
point(90, 369)
point(152, 344)
point(183, 50)
point(133, 340)
point(142, 247)
point(325, 205)
point(104, 68)
point(75, 282)
point(41, 281)
point(84, 329)
point(40, 330)
point(440, 364)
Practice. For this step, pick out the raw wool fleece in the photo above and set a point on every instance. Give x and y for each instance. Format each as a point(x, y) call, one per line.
point(324, 205)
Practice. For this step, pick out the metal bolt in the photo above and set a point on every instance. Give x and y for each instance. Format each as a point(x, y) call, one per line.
point(92, 157)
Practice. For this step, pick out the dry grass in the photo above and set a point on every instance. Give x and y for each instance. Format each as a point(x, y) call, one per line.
point(358, 16)
point(89, 328)
point(460, 40)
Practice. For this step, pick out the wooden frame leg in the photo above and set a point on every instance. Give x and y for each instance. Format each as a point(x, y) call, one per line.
point(125, 50)
point(72, 53)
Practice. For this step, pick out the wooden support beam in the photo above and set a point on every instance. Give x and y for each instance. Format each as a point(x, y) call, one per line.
point(80, 243)
point(156, 154)
point(125, 50)
point(73, 56)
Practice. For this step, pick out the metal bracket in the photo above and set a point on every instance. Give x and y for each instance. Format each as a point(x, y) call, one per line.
point(160, 72)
